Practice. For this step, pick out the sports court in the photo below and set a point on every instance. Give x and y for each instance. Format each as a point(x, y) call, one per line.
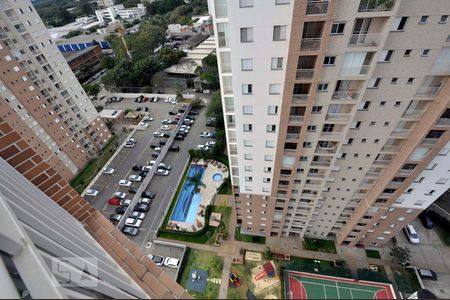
point(300, 285)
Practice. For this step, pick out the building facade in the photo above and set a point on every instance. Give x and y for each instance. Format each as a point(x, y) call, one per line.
point(332, 110)
point(105, 3)
point(86, 58)
point(111, 13)
point(40, 97)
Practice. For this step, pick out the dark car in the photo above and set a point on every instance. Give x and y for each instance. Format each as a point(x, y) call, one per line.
point(427, 274)
point(179, 137)
point(143, 173)
point(128, 230)
point(162, 142)
point(136, 168)
point(121, 209)
point(181, 110)
point(145, 109)
point(120, 99)
point(183, 133)
point(148, 194)
point(426, 220)
point(132, 190)
point(166, 135)
point(155, 154)
point(136, 100)
point(193, 113)
point(139, 108)
point(115, 217)
point(142, 207)
point(174, 122)
point(174, 148)
point(172, 113)
point(153, 146)
point(158, 260)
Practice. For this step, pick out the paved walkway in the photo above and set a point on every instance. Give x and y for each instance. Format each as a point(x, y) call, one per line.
point(225, 273)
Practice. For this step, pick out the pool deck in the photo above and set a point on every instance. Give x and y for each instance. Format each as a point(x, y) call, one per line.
point(207, 192)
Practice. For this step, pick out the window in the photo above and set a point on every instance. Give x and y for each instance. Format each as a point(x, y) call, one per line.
point(385, 56)
point(267, 169)
point(246, 89)
point(399, 24)
point(397, 103)
point(247, 109)
point(248, 156)
point(311, 128)
point(272, 110)
point(266, 180)
point(248, 168)
point(430, 192)
point(268, 157)
point(382, 103)
point(443, 19)
point(270, 144)
point(394, 80)
point(248, 178)
point(328, 128)
point(407, 53)
point(355, 125)
point(279, 32)
point(329, 60)
point(410, 80)
point(247, 64)
point(442, 181)
point(426, 52)
point(277, 63)
point(423, 20)
point(275, 89)
point(245, 3)
point(374, 83)
point(316, 109)
point(248, 127)
point(247, 35)
point(364, 105)
point(337, 28)
point(322, 87)
point(279, 2)
point(271, 128)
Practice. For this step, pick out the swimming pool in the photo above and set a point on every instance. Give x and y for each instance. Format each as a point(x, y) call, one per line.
point(188, 201)
point(217, 177)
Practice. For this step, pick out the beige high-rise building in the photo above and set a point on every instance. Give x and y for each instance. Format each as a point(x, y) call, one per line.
point(40, 98)
point(336, 113)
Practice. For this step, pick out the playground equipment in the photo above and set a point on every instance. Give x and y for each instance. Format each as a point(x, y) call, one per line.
point(268, 269)
point(234, 280)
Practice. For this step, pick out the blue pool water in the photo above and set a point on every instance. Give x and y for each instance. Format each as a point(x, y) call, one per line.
point(217, 177)
point(188, 201)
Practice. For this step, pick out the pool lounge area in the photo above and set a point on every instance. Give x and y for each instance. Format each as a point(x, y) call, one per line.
point(189, 211)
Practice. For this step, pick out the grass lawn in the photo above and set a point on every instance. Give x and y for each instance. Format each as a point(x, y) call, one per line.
point(302, 264)
point(207, 261)
point(406, 280)
point(84, 177)
point(319, 245)
point(373, 254)
point(238, 236)
point(376, 276)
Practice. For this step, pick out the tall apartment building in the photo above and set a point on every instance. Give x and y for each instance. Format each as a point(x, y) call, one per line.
point(336, 113)
point(105, 3)
point(40, 98)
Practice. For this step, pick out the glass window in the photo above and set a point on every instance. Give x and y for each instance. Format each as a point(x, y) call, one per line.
point(277, 63)
point(247, 35)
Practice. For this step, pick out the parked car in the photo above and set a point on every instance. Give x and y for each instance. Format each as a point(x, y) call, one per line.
point(153, 146)
point(179, 137)
point(148, 194)
point(114, 201)
point(129, 144)
point(163, 172)
point(125, 202)
point(135, 178)
point(181, 110)
point(143, 174)
point(165, 121)
point(120, 99)
point(204, 134)
point(158, 260)
point(145, 201)
point(171, 262)
point(136, 168)
point(146, 168)
point(143, 125)
point(172, 113)
point(145, 99)
point(164, 166)
point(124, 182)
point(155, 154)
point(132, 231)
point(91, 192)
point(157, 134)
point(133, 222)
point(108, 171)
point(427, 274)
point(137, 215)
point(139, 108)
point(165, 127)
point(206, 92)
point(193, 112)
point(426, 220)
point(412, 235)
point(174, 121)
point(165, 135)
point(115, 217)
point(120, 195)
point(162, 142)
point(210, 144)
point(174, 148)
point(121, 209)
point(146, 109)
point(132, 190)
point(147, 119)
point(202, 147)
point(142, 207)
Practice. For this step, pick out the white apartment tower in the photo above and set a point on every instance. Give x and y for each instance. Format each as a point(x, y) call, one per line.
point(333, 112)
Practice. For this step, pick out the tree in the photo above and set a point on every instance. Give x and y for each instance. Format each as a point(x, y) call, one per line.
point(195, 180)
point(268, 254)
point(178, 90)
point(196, 103)
point(73, 33)
point(83, 8)
point(146, 40)
point(158, 79)
point(214, 109)
point(401, 255)
point(92, 89)
point(187, 66)
point(107, 62)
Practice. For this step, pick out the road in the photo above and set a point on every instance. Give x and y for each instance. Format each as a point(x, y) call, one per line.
point(163, 186)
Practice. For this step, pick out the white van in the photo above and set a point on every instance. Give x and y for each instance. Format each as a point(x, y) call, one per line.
point(412, 235)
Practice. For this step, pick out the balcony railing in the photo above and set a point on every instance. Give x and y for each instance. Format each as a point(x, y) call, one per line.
point(292, 136)
point(413, 113)
point(310, 44)
point(321, 163)
point(304, 73)
point(355, 70)
point(338, 116)
point(365, 40)
point(401, 132)
point(325, 150)
point(443, 122)
point(376, 5)
point(390, 148)
point(331, 135)
point(346, 95)
point(427, 91)
point(382, 162)
point(299, 98)
point(317, 8)
point(429, 141)
point(296, 119)
point(226, 67)
point(316, 175)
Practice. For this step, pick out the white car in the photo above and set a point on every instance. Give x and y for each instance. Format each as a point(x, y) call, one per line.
point(129, 145)
point(412, 235)
point(135, 178)
point(152, 162)
point(165, 127)
point(124, 182)
point(126, 202)
point(132, 140)
point(147, 119)
point(202, 147)
point(164, 166)
point(146, 168)
point(185, 130)
point(163, 172)
point(120, 195)
point(210, 144)
point(133, 222)
point(143, 125)
point(204, 134)
point(137, 215)
point(91, 192)
point(158, 134)
point(171, 262)
point(206, 92)
point(108, 171)
point(144, 201)
point(186, 126)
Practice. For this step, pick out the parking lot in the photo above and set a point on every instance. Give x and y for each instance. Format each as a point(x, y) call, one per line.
point(163, 186)
point(165, 249)
point(432, 254)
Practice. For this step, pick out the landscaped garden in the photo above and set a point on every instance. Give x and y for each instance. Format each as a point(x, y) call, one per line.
point(206, 261)
point(406, 280)
point(309, 265)
point(85, 176)
point(319, 245)
point(238, 236)
point(373, 253)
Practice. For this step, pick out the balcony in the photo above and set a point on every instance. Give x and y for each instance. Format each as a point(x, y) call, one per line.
point(317, 8)
point(292, 136)
point(402, 132)
point(427, 91)
point(376, 5)
point(338, 116)
point(332, 135)
point(310, 44)
point(429, 141)
point(304, 74)
point(299, 98)
point(316, 175)
point(365, 40)
point(413, 113)
point(355, 70)
point(391, 148)
point(443, 122)
point(346, 95)
point(382, 162)
point(321, 163)
point(296, 119)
